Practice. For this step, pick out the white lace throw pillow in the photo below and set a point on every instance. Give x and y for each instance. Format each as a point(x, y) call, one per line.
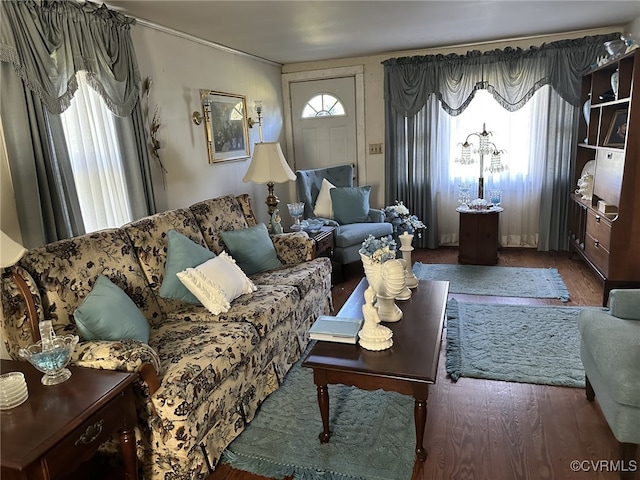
point(217, 282)
point(323, 207)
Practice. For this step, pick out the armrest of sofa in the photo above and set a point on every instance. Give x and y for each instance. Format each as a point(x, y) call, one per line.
point(293, 248)
point(625, 303)
point(376, 215)
point(122, 355)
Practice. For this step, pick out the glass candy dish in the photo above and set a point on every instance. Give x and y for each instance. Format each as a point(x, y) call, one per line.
point(52, 362)
point(296, 210)
point(313, 225)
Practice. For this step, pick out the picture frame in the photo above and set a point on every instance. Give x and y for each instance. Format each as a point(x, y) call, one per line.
point(617, 133)
point(226, 126)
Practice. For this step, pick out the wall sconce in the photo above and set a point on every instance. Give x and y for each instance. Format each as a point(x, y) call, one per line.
point(251, 122)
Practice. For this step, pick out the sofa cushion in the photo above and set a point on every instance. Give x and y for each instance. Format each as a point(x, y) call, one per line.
point(149, 239)
point(350, 204)
point(252, 248)
point(107, 313)
point(304, 276)
point(355, 233)
point(217, 282)
point(218, 215)
point(64, 273)
point(182, 253)
point(324, 206)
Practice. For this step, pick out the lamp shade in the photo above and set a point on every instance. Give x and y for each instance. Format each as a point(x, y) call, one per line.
point(10, 251)
point(268, 165)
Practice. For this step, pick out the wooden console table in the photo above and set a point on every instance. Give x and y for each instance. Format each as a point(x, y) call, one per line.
point(478, 237)
point(61, 426)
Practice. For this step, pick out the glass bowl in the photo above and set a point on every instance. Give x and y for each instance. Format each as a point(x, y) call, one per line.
point(52, 362)
point(615, 48)
point(313, 225)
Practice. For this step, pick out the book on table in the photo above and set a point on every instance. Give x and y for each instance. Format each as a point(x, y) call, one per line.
point(336, 329)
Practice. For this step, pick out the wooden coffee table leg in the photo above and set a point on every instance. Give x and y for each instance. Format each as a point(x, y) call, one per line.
point(128, 448)
point(323, 403)
point(420, 414)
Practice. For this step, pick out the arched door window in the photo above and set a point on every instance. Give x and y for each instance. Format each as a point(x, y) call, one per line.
point(323, 105)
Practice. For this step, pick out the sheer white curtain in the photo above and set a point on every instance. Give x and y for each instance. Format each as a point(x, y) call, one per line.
point(522, 134)
point(96, 160)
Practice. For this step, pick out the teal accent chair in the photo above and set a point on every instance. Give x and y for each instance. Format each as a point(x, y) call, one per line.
point(610, 353)
point(348, 238)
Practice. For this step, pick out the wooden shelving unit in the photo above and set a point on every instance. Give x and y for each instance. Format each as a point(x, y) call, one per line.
point(610, 242)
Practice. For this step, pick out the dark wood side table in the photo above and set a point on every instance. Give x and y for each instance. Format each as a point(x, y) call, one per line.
point(323, 243)
point(478, 238)
point(61, 426)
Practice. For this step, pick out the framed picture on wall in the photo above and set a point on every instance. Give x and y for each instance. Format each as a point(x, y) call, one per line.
point(225, 119)
point(617, 130)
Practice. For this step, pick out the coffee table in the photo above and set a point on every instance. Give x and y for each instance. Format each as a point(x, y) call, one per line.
point(408, 367)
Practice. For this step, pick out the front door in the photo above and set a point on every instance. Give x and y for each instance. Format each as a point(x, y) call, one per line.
point(323, 117)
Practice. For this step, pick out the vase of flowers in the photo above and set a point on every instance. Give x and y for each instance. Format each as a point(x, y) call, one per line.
point(405, 226)
point(385, 274)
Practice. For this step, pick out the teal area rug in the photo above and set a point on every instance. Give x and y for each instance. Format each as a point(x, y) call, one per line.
point(496, 281)
point(514, 343)
point(372, 434)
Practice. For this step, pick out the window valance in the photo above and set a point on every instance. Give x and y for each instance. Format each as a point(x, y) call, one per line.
point(49, 41)
point(512, 75)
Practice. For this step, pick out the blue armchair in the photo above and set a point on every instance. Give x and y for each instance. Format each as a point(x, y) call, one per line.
point(610, 353)
point(348, 237)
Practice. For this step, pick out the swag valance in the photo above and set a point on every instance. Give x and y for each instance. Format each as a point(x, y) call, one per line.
point(49, 41)
point(511, 75)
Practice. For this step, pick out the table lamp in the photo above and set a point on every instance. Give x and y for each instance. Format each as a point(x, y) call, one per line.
point(269, 166)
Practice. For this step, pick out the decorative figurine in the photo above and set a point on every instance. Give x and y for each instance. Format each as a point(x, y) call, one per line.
point(275, 227)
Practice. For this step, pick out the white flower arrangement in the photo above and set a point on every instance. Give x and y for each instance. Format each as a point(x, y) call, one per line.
point(401, 219)
point(379, 249)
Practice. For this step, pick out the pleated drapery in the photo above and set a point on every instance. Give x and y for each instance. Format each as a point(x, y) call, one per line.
point(43, 45)
point(511, 75)
point(415, 88)
point(47, 42)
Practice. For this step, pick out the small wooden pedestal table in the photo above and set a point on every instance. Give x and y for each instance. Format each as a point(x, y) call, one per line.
point(478, 238)
point(408, 367)
point(61, 426)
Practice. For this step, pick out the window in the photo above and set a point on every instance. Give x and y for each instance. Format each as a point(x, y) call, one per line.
point(96, 160)
point(323, 105)
point(512, 133)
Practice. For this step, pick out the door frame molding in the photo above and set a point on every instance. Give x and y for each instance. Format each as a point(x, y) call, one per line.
point(355, 71)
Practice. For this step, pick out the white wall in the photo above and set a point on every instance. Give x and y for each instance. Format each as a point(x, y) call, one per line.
point(373, 95)
point(180, 67)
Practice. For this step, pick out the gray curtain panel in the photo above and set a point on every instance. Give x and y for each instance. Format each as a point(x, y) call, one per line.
point(414, 86)
point(42, 46)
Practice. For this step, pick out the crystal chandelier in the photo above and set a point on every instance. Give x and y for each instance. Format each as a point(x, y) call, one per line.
point(485, 147)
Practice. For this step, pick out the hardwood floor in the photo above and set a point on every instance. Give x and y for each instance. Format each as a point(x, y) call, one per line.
point(483, 429)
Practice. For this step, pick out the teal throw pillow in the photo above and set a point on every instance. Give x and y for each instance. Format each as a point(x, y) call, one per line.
point(108, 313)
point(252, 249)
point(182, 253)
point(350, 204)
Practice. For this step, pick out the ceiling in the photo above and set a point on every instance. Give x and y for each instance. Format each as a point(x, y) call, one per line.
point(303, 30)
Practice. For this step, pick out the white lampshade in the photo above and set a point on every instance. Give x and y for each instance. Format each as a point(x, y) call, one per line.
point(268, 165)
point(10, 251)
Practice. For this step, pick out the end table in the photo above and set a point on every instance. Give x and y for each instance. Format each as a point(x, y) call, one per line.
point(61, 426)
point(478, 237)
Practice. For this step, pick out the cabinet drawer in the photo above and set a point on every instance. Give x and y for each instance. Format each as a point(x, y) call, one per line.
point(79, 445)
point(597, 254)
point(599, 229)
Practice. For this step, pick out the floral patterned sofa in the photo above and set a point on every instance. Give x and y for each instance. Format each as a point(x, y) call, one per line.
point(202, 376)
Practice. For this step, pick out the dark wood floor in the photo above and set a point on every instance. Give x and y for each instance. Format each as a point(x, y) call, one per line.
point(483, 429)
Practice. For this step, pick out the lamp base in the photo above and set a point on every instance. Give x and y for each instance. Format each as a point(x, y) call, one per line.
point(272, 201)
